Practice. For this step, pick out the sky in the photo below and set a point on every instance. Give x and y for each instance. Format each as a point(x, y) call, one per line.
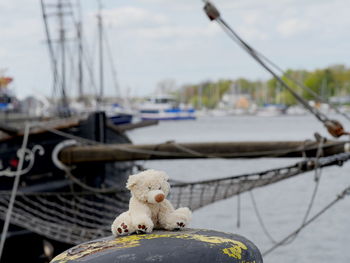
point(156, 40)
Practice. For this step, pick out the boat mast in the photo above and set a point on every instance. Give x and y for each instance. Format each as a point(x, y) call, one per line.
point(58, 61)
point(100, 38)
point(62, 41)
point(50, 46)
point(80, 51)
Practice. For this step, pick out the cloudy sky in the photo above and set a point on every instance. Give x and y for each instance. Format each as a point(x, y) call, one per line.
point(153, 40)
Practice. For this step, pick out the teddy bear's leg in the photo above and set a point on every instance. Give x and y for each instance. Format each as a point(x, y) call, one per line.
point(122, 225)
point(142, 224)
point(176, 219)
point(183, 216)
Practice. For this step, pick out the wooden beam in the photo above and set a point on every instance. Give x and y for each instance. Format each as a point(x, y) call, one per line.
point(8, 129)
point(58, 124)
point(130, 152)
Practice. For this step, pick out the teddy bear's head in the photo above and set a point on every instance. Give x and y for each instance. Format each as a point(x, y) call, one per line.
point(149, 186)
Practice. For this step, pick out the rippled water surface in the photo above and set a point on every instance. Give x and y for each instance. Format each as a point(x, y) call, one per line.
point(282, 205)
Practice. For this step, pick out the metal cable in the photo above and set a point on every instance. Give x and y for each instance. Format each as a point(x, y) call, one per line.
point(320, 116)
point(260, 219)
point(334, 127)
point(112, 64)
point(317, 181)
point(302, 85)
point(339, 197)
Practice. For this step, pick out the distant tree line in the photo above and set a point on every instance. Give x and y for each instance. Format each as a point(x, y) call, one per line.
point(328, 82)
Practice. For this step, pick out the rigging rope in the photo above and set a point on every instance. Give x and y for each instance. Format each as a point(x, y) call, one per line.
point(334, 127)
point(309, 207)
point(261, 221)
point(53, 58)
point(339, 197)
point(238, 223)
point(300, 84)
point(112, 65)
point(14, 189)
point(317, 181)
point(75, 217)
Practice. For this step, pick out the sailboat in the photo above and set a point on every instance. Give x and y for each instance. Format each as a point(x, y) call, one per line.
point(37, 163)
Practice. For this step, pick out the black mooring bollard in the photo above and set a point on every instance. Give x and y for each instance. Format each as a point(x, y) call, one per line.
point(188, 245)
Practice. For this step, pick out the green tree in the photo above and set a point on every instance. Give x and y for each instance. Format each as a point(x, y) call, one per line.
point(331, 81)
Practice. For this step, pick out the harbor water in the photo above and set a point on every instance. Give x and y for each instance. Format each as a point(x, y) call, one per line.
point(282, 205)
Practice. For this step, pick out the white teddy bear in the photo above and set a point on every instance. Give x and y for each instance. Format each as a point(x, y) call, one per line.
point(148, 206)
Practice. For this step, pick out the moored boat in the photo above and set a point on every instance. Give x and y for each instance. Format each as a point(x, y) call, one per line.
point(165, 108)
point(7, 100)
point(117, 114)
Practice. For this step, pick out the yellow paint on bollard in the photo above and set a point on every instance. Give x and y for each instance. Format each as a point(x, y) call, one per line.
point(234, 250)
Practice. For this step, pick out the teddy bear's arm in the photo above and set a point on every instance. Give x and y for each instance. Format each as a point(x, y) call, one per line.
point(165, 219)
point(137, 207)
point(140, 215)
point(166, 207)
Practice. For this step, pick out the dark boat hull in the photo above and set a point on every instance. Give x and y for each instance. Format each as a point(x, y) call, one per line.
point(43, 175)
point(121, 119)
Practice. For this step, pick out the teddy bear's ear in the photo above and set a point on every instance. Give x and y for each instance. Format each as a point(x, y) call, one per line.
point(131, 181)
point(165, 176)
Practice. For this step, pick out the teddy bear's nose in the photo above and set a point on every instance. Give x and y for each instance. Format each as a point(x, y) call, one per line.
point(159, 198)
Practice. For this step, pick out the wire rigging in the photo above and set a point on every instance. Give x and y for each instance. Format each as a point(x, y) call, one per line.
point(309, 207)
point(334, 127)
point(300, 84)
point(260, 219)
point(112, 64)
point(339, 197)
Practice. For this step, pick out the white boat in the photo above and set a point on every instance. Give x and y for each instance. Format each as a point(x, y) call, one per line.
point(296, 110)
point(271, 110)
point(165, 108)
